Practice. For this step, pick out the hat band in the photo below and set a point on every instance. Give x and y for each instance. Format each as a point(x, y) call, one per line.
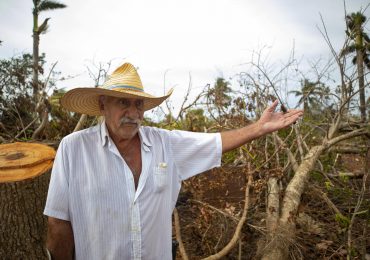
point(125, 87)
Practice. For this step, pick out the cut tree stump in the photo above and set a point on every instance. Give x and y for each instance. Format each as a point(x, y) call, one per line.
point(24, 180)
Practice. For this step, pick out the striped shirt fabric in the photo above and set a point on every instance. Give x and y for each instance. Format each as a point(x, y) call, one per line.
point(92, 187)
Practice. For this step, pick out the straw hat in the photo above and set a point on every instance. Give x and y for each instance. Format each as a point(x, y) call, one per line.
point(123, 83)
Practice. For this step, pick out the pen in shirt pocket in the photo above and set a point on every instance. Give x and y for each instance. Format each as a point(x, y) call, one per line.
point(162, 165)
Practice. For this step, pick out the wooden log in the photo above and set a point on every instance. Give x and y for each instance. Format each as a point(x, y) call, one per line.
point(24, 180)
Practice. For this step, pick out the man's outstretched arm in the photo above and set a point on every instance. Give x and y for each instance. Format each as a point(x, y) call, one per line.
point(60, 241)
point(270, 121)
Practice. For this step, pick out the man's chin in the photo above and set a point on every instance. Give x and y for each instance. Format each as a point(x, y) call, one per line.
point(129, 131)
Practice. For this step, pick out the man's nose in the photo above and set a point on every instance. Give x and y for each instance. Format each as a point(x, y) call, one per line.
point(132, 112)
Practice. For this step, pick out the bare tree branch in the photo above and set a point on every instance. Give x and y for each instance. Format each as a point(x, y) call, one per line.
point(178, 236)
point(238, 229)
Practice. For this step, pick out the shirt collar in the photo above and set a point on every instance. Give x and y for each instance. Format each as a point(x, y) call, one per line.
point(144, 139)
point(104, 133)
point(105, 136)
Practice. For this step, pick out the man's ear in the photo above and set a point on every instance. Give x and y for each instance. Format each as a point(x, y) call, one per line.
point(101, 102)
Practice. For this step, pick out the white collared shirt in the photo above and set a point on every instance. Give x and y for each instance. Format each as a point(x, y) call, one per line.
point(92, 187)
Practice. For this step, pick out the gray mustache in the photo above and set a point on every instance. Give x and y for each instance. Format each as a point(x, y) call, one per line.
point(125, 120)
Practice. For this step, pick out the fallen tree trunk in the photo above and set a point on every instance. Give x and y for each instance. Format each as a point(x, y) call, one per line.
point(277, 247)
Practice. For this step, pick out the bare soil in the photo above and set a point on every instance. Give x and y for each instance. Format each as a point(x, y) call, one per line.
point(210, 204)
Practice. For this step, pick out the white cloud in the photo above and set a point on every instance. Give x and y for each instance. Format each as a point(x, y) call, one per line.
point(201, 37)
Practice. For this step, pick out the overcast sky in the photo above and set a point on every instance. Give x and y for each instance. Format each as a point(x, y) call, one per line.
point(207, 38)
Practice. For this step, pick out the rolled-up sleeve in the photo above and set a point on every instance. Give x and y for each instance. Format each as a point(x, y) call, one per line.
point(57, 199)
point(194, 153)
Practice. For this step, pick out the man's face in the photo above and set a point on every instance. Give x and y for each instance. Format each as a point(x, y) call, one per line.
point(123, 116)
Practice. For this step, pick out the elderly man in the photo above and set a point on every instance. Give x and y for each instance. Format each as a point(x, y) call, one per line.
point(114, 186)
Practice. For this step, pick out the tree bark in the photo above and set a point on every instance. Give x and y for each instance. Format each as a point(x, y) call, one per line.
point(277, 252)
point(347, 149)
point(23, 226)
point(360, 71)
point(296, 186)
point(36, 40)
point(279, 241)
point(183, 253)
point(41, 127)
point(273, 205)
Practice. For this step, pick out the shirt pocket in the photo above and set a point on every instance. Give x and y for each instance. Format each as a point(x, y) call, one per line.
point(160, 177)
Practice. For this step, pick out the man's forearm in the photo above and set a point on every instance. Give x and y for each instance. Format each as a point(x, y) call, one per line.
point(236, 138)
point(60, 241)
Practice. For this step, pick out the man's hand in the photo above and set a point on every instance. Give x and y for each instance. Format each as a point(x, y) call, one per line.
point(271, 121)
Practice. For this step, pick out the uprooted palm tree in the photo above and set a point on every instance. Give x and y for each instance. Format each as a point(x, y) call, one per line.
point(361, 47)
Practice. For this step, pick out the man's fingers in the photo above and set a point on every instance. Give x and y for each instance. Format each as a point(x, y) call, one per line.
point(293, 115)
point(294, 112)
point(273, 106)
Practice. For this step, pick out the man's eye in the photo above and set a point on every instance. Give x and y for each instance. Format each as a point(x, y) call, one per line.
point(139, 104)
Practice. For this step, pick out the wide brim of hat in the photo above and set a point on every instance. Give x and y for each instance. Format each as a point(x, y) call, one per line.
point(86, 100)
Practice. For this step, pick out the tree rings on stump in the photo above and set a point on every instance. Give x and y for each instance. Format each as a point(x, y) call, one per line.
point(24, 180)
point(21, 161)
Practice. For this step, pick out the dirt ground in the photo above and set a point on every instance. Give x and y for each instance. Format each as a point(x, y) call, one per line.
point(210, 204)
